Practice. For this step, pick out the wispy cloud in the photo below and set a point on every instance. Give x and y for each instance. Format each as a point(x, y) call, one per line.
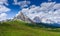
point(21, 3)
point(3, 16)
point(4, 2)
point(3, 9)
point(48, 12)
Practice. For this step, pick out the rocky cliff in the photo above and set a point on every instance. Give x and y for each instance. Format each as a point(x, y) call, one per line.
point(22, 17)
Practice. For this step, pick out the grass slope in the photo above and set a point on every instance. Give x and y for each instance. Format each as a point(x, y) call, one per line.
point(19, 28)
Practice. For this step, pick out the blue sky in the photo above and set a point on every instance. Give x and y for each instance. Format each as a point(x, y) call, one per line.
point(9, 9)
point(16, 8)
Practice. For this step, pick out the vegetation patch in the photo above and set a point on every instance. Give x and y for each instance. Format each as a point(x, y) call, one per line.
point(20, 28)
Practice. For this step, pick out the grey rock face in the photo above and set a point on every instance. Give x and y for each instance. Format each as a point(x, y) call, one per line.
point(37, 19)
point(22, 17)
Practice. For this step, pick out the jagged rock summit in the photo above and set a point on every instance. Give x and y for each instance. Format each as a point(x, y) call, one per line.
point(23, 17)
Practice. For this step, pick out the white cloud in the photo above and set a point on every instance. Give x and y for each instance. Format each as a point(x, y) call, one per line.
point(3, 16)
point(3, 2)
point(15, 1)
point(48, 12)
point(22, 3)
point(47, 6)
point(33, 6)
point(57, 6)
point(3, 9)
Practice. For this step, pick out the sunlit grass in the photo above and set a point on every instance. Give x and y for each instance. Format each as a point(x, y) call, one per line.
point(20, 28)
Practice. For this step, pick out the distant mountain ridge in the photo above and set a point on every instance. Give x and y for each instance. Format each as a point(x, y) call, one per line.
point(36, 19)
point(22, 17)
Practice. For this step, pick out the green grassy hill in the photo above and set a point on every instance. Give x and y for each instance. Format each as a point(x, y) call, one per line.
point(19, 28)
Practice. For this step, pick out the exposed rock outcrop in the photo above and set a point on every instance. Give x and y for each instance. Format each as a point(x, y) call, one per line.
point(37, 19)
point(22, 17)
